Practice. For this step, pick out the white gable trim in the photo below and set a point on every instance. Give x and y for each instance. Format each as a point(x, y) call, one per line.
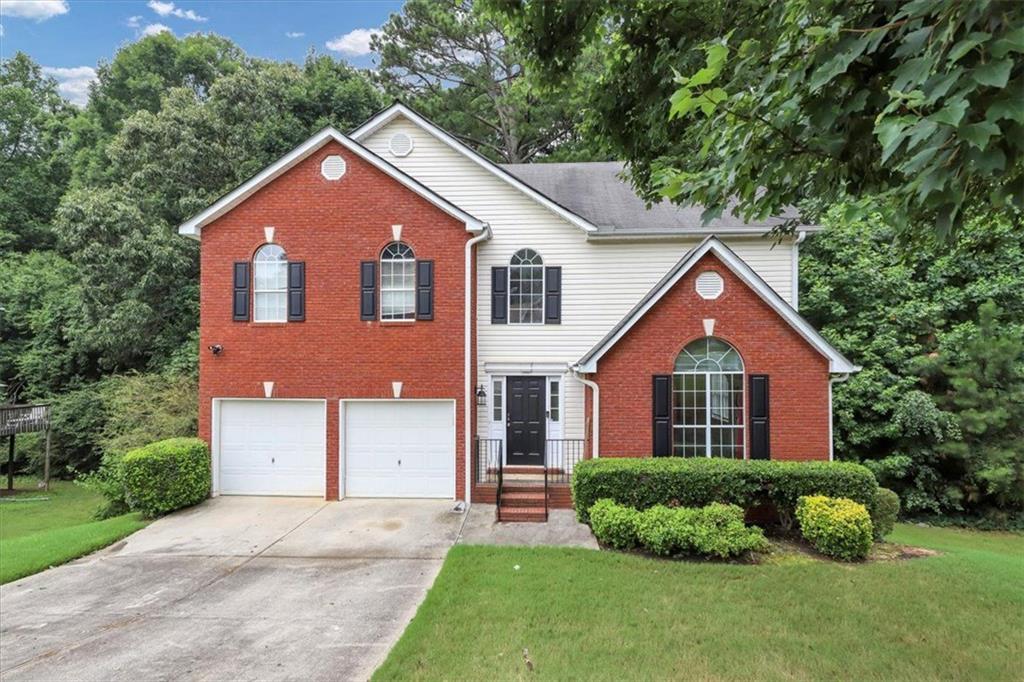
point(193, 227)
point(395, 110)
point(837, 363)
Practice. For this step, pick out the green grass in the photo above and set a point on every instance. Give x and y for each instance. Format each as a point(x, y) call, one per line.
point(602, 615)
point(38, 533)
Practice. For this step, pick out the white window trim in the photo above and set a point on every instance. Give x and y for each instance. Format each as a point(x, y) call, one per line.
point(380, 265)
point(256, 292)
point(708, 426)
point(543, 288)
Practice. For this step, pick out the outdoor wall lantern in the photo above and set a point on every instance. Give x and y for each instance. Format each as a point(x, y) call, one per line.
point(481, 395)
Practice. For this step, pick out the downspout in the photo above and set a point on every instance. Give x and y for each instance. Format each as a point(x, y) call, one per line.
point(831, 440)
point(469, 397)
point(596, 449)
point(795, 274)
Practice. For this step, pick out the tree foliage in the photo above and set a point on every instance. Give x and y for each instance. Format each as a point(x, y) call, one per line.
point(453, 60)
point(914, 105)
point(936, 410)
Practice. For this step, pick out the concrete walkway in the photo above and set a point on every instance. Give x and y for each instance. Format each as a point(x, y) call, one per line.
point(234, 589)
point(561, 530)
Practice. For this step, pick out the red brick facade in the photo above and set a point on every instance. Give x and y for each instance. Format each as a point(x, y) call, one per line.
point(332, 226)
point(799, 376)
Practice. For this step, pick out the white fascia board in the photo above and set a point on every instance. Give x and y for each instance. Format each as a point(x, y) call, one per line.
point(838, 364)
point(193, 227)
point(392, 112)
point(670, 234)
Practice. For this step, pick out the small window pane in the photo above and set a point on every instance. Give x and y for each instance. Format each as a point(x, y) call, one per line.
point(498, 397)
point(553, 408)
point(526, 288)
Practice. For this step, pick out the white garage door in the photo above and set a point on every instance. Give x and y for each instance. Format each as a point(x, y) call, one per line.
point(399, 449)
point(272, 447)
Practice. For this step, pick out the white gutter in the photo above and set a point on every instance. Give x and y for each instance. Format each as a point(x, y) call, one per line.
point(470, 398)
point(831, 440)
point(596, 448)
point(794, 281)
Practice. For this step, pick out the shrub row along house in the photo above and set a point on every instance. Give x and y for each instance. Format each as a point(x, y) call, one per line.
point(387, 313)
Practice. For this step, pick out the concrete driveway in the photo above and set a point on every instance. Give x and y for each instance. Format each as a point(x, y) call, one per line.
point(236, 588)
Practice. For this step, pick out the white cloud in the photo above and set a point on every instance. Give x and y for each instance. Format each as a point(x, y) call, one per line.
point(73, 83)
point(40, 10)
point(294, 34)
point(134, 22)
point(154, 29)
point(168, 9)
point(354, 43)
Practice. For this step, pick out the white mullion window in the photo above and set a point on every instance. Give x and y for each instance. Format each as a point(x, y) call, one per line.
point(397, 282)
point(707, 401)
point(526, 288)
point(270, 284)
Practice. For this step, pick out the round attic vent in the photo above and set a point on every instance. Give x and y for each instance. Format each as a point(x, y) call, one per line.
point(332, 167)
point(400, 144)
point(710, 285)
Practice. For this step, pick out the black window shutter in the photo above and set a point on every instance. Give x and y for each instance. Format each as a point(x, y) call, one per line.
point(424, 290)
point(296, 291)
point(499, 295)
point(553, 295)
point(759, 441)
point(368, 290)
point(662, 411)
point(240, 293)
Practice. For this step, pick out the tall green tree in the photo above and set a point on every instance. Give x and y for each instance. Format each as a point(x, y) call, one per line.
point(453, 60)
point(915, 104)
point(33, 159)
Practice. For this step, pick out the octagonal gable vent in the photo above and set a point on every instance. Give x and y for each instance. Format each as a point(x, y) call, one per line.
point(400, 144)
point(332, 167)
point(710, 285)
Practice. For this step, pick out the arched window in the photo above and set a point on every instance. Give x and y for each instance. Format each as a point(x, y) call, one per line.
point(270, 284)
point(526, 288)
point(397, 282)
point(707, 401)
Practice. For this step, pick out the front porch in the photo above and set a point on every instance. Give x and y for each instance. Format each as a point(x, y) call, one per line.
point(525, 493)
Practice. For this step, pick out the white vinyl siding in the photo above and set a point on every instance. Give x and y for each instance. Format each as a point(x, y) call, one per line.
point(601, 282)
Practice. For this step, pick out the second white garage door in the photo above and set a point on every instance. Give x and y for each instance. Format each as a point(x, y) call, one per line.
point(401, 448)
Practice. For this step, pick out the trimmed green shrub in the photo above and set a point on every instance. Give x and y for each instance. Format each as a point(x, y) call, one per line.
point(166, 475)
point(836, 527)
point(715, 530)
point(108, 481)
point(696, 482)
point(884, 509)
point(613, 524)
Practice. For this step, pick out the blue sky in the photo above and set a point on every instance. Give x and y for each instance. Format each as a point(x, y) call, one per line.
point(69, 37)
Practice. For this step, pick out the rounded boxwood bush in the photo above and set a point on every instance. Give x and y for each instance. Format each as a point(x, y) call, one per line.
point(715, 530)
point(884, 510)
point(166, 475)
point(613, 524)
point(836, 527)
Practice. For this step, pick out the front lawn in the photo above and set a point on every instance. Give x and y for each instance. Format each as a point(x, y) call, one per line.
point(601, 615)
point(39, 529)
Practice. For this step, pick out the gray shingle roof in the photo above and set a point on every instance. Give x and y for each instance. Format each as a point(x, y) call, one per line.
point(594, 191)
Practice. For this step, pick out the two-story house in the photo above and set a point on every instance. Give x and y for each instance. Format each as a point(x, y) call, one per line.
point(389, 314)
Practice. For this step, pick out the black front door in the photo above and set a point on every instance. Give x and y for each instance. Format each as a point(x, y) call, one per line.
point(525, 420)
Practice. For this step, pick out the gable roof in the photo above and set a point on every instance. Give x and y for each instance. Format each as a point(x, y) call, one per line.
point(838, 364)
point(597, 191)
point(398, 109)
point(194, 225)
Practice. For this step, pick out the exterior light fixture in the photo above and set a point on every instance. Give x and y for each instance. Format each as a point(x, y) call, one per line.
point(481, 395)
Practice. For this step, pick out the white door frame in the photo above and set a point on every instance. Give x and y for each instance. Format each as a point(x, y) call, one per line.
point(342, 416)
point(496, 429)
point(215, 433)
